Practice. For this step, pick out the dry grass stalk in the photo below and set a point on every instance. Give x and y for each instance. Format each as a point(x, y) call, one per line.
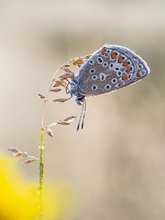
point(66, 121)
point(56, 86)
point(18, 153)
point(41, 96)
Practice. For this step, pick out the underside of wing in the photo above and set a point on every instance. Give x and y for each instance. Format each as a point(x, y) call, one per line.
point(110, 68)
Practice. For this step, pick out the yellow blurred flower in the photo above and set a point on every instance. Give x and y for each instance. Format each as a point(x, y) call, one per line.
point(19, 199)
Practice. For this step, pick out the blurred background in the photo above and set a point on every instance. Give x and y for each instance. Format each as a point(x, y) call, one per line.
point(116, 165)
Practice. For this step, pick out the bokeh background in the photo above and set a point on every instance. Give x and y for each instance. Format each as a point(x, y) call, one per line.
point(116, 165)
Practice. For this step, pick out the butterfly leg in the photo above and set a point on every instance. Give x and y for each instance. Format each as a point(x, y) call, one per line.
point(82, 115)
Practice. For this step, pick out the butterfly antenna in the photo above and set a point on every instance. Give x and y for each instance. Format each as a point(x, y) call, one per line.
point(82, 116)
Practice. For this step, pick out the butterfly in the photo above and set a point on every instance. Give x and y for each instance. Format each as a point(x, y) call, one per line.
point(110, 68)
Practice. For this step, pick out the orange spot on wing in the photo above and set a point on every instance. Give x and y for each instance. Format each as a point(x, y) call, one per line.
point(125, 77)
point(120, 60)
point(103, 51)
point(138, 74)
point(125, 64)
point(128, 70)
point(113, 55)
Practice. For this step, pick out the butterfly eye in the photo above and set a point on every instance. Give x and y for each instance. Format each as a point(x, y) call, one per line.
point(94, 87)
point(114, 80)
point(100, 60)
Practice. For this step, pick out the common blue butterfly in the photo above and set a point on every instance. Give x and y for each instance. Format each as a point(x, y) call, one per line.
point(110, 68)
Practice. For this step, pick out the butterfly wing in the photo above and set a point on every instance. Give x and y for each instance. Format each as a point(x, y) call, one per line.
point(110, 68)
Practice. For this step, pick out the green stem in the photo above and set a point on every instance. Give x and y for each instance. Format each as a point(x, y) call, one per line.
point(41, 166)
point(41, 147)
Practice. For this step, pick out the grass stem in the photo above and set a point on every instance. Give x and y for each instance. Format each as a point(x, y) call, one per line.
point(41, 167)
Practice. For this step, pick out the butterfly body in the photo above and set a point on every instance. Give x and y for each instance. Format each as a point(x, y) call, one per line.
point(110, 68)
